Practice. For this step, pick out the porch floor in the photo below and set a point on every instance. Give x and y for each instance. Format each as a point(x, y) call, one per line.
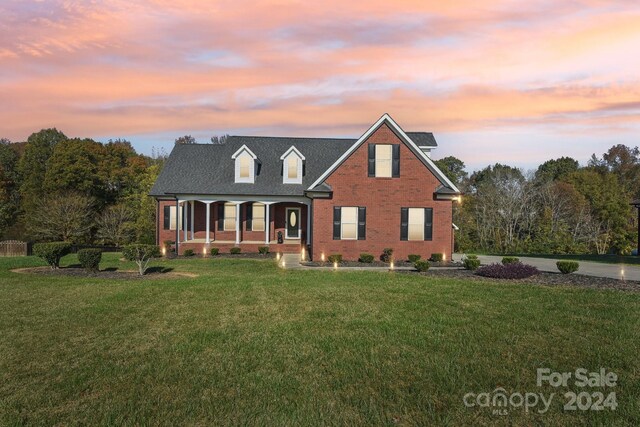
point(248, 242)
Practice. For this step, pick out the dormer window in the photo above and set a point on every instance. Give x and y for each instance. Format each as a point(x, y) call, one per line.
point(245, 165)
point(292, 166)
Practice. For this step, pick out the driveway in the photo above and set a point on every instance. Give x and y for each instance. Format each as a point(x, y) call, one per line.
point(588, 268)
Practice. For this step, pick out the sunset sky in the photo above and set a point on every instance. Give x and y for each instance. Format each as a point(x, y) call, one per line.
point(516, 82)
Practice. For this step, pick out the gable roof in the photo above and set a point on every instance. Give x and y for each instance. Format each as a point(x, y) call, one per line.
point(386, 119)
point(200, 169)
point(209, 169)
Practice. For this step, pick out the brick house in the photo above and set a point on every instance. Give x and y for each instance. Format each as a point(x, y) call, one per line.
point(322, 195)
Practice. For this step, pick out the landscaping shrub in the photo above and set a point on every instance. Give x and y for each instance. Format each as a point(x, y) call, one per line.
point(567, 267)
point(141, 255)
point(52, 252)
point(188, 252)
point(90, 259)
point(471, 262)
point(235, 250)
point(510, 259)
point(437, 257)
point(386, 254)
point(263, 250)
point(367, 258)
point(421, 265)
point(516, 270)
point(215, 251)
point(335, 258)
point(413, 258)
point(168, 243)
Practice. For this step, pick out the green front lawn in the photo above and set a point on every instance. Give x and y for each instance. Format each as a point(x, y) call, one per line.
point(247, 343)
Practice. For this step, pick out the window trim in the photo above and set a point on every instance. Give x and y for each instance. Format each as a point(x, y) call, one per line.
point(292, 151)
point(342, 223)
point(244, 152)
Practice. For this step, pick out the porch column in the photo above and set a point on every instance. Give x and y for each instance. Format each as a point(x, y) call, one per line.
point(267, 225)
point(177, 227)
point(238, 222)
point(185, 208)
point(193, 204)
point(207, 239)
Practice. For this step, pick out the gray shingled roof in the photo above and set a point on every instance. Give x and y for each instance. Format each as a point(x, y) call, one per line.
point(209, 169)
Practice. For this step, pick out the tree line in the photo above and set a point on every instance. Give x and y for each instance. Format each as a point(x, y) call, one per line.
point(559, 208)
point(56, 188)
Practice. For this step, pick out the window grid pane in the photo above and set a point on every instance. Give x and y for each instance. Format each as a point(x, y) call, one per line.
point(349, 220)
point(229, 217)
point(257, 223)
point(292, 167)
point(383, 160)
point(416, 224)
point(244, 167)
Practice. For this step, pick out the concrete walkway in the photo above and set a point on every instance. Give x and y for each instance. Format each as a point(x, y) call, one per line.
point(588, 268)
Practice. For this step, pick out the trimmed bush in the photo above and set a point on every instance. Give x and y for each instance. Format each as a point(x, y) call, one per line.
point(235, 251)
point(214, 251)
point(386, 254)
point(168, 243)
point(90, 259)
point(367, 258)
point(567, 267)
point(471, 262)
point(437, 257)
point(335, 258)
point(188, 252)
point(52, 252)
point(516, 270)
point(263, 250)
point(413, 258)
point(471, 256)
point(421, 265)
point(510, 259)
point(141, 255)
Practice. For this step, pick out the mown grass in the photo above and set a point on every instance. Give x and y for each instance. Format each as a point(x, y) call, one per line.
point(247, 343)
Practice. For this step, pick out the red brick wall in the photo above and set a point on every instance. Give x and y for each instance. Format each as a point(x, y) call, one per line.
point(383, 198)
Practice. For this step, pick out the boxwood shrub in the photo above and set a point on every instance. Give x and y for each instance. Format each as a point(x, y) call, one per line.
point(510, 259)
point(52, 252)
point(235, 250)
point(90, 258)
point(188, 252)
point(421, 265)
point(366, 258)
point(516, 270)
point(437, 257)
point(471, 262)
point(567, 267)
point(215, 251)
point(386, 254)
point(335, 258)
point(263, 250)
point(413, 258)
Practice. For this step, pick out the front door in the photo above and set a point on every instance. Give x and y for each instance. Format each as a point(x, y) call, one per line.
point(293, 223)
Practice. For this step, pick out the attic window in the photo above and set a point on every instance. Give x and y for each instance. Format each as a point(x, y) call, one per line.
point(292, 166)
point(245, 169)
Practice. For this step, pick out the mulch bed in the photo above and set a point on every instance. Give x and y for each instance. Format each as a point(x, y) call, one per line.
point(544, 278)
point(152, 273)
point(378, 264)
point(227, 255)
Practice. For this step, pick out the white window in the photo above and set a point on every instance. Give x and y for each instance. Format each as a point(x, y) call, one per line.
point(245, 165)
point(416, 224)
point(292, 166)
point(349, 223)
point(384, 158)
point(257, 222)
point(229, 217)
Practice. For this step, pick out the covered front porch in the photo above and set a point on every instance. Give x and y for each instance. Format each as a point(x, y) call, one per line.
point(203, 223)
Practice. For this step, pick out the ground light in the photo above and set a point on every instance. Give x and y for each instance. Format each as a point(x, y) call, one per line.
point(204, 251)
point(277, 256)
point(302, 255)
point(622, 273)
point(335, 265)
point(164, 251)
point(283, 263)
point(391, 265)
point(322, 256)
